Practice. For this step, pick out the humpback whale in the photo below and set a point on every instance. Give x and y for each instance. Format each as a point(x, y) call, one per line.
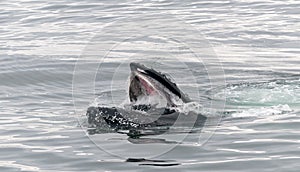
point(146, 83)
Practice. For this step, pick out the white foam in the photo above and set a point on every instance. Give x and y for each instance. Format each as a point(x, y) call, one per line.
point(264, 111)
point(189, 107)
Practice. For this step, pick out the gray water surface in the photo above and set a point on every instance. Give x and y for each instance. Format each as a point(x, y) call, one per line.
point(51, 59)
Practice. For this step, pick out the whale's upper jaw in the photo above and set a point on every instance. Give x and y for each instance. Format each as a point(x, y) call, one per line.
point(145, 81)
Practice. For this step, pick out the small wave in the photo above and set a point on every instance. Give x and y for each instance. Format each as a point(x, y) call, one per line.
point(264, 111)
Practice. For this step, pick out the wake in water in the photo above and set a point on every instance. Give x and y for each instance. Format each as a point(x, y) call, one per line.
point(275, 97)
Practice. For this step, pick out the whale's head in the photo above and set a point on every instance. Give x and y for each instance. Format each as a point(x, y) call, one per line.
point(146, 81)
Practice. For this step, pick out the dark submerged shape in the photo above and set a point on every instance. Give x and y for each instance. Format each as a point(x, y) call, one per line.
point(145, 82)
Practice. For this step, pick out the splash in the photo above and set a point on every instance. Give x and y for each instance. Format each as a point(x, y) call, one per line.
point(185, 108)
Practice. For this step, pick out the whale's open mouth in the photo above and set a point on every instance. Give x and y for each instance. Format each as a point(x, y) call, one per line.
point(145, 82)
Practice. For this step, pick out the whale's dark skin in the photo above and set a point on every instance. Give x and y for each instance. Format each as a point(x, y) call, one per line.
point(145, 81)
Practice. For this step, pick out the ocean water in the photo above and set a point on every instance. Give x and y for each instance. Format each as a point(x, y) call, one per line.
point(238, 59)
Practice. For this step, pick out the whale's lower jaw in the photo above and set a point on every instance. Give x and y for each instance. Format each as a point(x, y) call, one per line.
point(118, 120)
point(121, 119)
